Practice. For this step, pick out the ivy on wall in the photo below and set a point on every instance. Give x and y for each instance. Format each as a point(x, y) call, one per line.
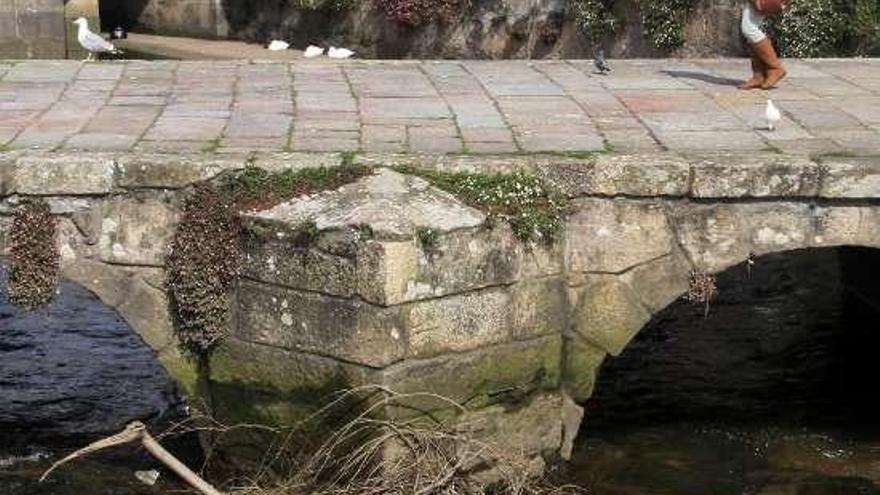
point(34, 256)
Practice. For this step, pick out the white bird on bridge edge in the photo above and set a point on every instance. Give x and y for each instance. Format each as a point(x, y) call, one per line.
point(773, 115)
point(91, 41)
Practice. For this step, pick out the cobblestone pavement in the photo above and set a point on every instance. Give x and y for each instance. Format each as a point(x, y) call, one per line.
point(829, 106)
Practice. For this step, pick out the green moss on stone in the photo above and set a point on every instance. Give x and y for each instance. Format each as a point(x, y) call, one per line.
point(534, 210)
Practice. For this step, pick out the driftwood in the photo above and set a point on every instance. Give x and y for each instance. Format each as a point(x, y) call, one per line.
point(137, 431)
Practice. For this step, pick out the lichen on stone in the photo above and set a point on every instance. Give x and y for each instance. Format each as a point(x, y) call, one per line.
point(34, 256)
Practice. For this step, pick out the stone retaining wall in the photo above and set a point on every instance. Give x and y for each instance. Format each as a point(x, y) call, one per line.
point(32, 29)
point(515, 332)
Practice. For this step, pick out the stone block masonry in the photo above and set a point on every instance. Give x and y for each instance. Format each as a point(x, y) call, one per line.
point(32, 29)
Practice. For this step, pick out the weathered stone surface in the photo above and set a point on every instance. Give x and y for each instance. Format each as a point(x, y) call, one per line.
point(611, 236)
point(153, 171)
point(718, 236)
point(142, 305)
point(343, 328)
point(329, 265)
point(5, 225)
point(57, 173)
point(713, 236)
point(459, 323)
point(306, 377)
point(581, 364)
point(393, 205)
point(727, 175)
point(348, 261)
point(480, 377)
point(851, 178)
point(660, 282)
point(572, 415)
point(137, 231)
point(607, 313)
point(538, 307)
point(533, 428)
point(183, 370)
point(612, 175)
point(7, 172)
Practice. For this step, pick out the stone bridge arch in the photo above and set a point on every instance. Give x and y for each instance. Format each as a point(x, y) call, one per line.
point(615, 292)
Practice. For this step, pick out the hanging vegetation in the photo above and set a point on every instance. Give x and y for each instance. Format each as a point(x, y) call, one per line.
point(34, 256)
point(203, 265)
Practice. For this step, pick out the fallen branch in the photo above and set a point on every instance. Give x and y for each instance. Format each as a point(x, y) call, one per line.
point(133, 432)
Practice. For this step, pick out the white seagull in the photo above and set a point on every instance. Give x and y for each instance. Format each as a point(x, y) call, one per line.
point(91, 41)
point(334, 52)
point(278, 45)
point(773, 115)
point(313, 51)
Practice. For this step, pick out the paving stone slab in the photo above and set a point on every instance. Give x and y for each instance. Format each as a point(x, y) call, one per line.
point(496, 106)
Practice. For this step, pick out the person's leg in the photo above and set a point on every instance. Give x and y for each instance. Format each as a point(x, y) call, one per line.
point(751, 29)
point(762, 47)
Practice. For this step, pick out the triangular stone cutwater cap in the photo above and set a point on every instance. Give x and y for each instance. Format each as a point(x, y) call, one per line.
point(392, 204)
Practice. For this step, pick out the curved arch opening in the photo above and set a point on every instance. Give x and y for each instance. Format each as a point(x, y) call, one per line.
point(773, 393)
point(70, 373)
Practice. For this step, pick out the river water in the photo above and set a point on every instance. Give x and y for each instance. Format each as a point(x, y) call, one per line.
point(69, 374)
point(773, 394)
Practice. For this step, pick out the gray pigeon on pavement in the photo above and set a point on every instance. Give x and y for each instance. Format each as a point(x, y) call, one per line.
point(601, 64)
point(91, 41)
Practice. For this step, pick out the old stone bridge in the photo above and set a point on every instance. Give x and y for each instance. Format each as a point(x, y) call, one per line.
point(679, 181)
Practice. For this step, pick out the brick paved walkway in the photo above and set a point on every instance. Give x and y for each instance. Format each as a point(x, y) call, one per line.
point(830, 106)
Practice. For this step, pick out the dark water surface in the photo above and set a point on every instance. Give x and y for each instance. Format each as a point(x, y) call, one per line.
point(69, 374)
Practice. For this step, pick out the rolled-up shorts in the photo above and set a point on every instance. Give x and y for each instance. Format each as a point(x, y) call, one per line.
point(751, 24)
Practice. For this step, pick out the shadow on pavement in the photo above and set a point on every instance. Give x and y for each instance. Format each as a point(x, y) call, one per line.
point(702, 76)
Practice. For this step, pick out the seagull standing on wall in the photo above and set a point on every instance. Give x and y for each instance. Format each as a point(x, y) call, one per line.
point(91, 41)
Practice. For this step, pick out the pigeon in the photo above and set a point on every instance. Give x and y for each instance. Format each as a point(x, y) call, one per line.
point(334, 52)
point(773, 115)
point(601, 64)
point(278, 45)
point(313, 51)
point(91, 41)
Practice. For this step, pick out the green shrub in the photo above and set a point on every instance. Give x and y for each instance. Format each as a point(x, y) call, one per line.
point(663, 21)
point(810, 28)
point(594, 18)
